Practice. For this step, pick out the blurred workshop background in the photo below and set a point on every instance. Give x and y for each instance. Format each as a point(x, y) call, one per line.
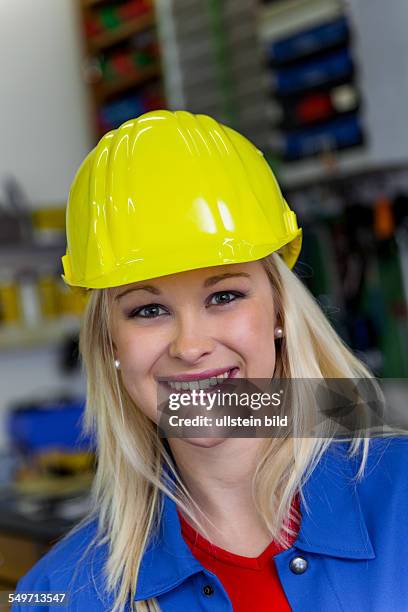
point(321, 86)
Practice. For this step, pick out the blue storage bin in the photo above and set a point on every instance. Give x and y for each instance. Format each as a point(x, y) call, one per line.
point(55, 425)
point(341, 133)
point(313, 73)
point(113, 114)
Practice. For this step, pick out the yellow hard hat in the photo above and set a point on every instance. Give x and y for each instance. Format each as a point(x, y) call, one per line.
point(169, 192)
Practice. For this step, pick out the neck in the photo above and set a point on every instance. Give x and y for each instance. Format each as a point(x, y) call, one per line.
point(219, 479)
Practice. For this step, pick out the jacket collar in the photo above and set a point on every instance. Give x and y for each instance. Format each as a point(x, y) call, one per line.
point(334, 526)
point(168, 560)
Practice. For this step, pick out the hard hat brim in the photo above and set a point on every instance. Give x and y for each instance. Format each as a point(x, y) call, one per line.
point(132, 271)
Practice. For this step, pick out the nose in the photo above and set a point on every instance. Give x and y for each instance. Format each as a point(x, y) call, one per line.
point(191, 341)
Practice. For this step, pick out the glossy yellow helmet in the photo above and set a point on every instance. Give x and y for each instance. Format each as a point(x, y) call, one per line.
point(170, 192)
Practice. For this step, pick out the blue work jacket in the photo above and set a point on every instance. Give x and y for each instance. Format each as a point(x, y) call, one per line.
point(351, 551)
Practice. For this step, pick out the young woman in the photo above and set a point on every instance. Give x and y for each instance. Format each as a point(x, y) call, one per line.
point(178, 229)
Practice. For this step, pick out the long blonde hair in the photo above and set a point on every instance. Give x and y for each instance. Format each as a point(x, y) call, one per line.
point(130, 477)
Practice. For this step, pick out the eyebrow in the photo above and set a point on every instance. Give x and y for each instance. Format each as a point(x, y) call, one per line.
point(209, 282)
point(216, 279)
point(140, 288)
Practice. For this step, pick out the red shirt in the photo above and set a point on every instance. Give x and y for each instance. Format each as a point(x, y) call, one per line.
point(251, 582)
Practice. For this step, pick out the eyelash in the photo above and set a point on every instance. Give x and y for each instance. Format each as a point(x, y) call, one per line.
point(236, 294)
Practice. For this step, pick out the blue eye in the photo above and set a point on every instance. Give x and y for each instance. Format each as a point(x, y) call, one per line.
point(224, 297)
point(151, 311)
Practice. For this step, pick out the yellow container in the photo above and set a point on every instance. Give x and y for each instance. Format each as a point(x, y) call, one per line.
point(49, 224)
point(47, 288)
point(10, 311)
point(71, 301)
point(49, 218)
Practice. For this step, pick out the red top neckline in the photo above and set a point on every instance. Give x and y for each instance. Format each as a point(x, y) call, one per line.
point(196, 540)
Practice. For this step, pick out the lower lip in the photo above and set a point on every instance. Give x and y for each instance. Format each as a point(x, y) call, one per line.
point(233, 373)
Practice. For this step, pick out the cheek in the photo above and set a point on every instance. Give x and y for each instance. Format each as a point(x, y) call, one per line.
point(140, 346)
point(252, 323)
point(251, 333)
point(138, 352)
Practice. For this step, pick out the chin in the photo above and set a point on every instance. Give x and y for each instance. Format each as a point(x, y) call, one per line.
point(205, 442)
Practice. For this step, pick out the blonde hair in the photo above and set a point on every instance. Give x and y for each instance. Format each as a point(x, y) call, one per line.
point(131, 457)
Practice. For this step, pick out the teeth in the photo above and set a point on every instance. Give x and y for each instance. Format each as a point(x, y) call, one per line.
point(203, 383)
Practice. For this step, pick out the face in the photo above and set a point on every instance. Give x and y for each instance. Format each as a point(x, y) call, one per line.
point(193, 325)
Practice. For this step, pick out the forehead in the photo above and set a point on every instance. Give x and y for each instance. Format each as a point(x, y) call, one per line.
point(202, 276)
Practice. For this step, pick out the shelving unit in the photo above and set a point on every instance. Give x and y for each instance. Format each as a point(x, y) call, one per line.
point(314, 84)
point(213, 61)
point(106, 39)
point(107, 90)
point(92, 2)
point(17, 256)
point(370, 79)
point(122, 64)
point(53, 311)
point(49, 333)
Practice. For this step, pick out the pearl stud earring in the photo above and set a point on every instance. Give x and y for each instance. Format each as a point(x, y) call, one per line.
point(278, 332)
point(117, 364)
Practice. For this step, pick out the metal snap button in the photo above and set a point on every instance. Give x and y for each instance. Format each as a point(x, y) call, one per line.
point(298, 565)
point(208, 590)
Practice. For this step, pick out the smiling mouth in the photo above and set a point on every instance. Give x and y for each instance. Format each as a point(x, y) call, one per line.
point(200, 383)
